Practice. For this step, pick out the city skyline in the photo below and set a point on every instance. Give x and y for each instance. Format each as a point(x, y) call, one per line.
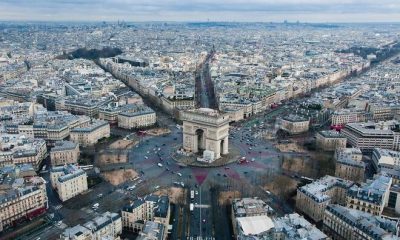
point(336, 11)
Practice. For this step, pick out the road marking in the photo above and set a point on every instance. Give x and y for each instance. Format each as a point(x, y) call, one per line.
point(58, 207)
point(202, 206)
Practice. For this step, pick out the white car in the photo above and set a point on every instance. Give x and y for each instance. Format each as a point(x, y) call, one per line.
point(159, 164)
point(179, 174)
point(146, 157)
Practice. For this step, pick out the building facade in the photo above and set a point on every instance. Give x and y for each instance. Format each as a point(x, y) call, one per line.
point(344, 223)
point(313, 198)
point(105, 226)
point(90, 134)
point(64, 152)
point(330, 140)
point(294, 124)
point(68, 180)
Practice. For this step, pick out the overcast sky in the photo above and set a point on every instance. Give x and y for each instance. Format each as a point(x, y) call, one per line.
point(202, 10)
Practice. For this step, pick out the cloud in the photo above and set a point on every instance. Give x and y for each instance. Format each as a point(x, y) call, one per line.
point(201, 10)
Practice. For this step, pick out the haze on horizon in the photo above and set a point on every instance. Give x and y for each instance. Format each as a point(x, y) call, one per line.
point(202, 10)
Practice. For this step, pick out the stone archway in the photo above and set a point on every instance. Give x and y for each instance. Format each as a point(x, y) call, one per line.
point(205, 131)
point(201, 140)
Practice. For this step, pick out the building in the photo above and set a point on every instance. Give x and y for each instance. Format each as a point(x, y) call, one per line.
point(152, 231)
point(18, 149)
point(344, 116)
point(64, 152)
point(206, 129)
point(295, 227)
point(68, 180)
point(313, 198)
point(90, 134)
point(370, 197)
point(23, 195)
point(137, 117)
point(385, 158)
point(105, 226)
point(50, 126)
point(350, 224)
point(370, 135)
point(151, 208)
point(330, 140)
point(348, 164)
point(294, 124)
point(250, 217)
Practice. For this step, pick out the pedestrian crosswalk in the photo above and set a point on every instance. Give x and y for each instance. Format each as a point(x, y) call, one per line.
point(201, 238)
point(59, 206)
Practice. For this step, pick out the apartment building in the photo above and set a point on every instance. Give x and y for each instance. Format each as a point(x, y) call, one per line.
point(295, 227)
point(330, 140)
point(64, 152)
point(348, 164)
point(370, 135)
point(105, 226)
point(136, 118)
point(152, 231)
point(50, 126)
point(91, 133)
point(350, 224)
point(294, 124)
point(385, 158)
point(250, 217)
point(22, 196)
point(370, 197)
point(68, 180)
point(313, 198)
point(344, 116)
point(17, 149)
point(150, 208)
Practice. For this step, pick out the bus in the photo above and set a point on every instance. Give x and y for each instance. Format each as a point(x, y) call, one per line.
point(192, 194)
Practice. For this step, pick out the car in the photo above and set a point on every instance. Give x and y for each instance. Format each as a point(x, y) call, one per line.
point(146, 157)
point(156, 187)
point(167, 169)
point(227, 167)
point(179, 174)
point(141, 171)
point(225, 175)
point(100, 195)
point(163, 144)
point(159, 164)
point(59, 223)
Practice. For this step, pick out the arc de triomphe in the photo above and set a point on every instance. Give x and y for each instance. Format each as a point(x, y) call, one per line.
point(205, 129)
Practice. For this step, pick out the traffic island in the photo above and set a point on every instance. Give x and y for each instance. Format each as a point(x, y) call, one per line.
point(191, 160)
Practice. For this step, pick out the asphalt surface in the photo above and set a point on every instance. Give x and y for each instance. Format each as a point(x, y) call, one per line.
point(208, 217)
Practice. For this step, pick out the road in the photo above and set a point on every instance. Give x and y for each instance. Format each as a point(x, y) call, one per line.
point(263, 159)
point(204, 85)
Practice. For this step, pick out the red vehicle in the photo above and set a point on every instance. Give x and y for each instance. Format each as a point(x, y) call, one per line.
point(242, 160)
